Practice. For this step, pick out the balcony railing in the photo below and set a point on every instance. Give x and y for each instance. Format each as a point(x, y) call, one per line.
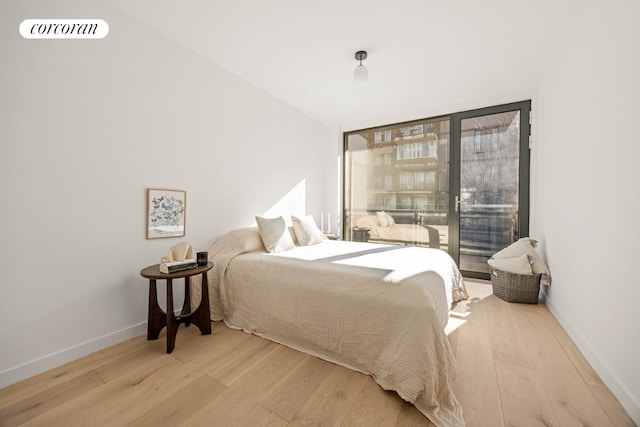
point(484, 229)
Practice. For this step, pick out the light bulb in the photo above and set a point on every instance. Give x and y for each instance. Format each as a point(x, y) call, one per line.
point(361, 73)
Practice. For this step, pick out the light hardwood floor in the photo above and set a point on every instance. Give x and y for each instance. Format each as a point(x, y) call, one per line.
point(516, 367)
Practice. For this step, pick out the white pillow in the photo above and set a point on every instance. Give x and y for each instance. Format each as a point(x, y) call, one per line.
point(274, 234)
point(526, 246)
point(517, 265)
point(367, 221)
point(307, 232)
point(384, 219)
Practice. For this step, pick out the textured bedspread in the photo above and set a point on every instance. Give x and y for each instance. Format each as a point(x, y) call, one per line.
point(377, 309)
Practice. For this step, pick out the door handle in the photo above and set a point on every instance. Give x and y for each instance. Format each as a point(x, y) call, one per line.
point(457, 204)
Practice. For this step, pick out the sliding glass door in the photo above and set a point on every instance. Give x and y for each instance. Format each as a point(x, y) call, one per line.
point(491, 180)
point(457, 183)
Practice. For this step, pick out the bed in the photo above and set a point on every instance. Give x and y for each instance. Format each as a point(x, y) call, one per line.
point(383, 228)
point(378, 309)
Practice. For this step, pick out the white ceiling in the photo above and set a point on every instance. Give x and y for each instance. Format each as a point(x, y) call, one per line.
point(424, 56)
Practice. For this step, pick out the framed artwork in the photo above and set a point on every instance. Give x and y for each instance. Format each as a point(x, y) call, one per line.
point(166, 210)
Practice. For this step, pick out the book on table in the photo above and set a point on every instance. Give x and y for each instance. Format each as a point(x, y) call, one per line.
point(176, 266)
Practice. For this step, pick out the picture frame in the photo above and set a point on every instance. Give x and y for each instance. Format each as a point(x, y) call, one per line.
point(166, 213)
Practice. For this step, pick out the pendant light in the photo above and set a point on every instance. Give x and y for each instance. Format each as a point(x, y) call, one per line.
point(361, 73)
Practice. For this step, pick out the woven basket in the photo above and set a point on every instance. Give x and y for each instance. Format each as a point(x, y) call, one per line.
point(513, 287)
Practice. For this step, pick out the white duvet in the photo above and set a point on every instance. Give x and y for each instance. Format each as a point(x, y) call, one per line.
point(377, 309)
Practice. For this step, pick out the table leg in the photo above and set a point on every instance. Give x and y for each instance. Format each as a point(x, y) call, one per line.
point(172, 322)
point(186, 307)
point(202, 316)
point(156, 319)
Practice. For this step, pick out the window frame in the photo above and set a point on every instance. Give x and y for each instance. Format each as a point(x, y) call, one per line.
point(404, 130)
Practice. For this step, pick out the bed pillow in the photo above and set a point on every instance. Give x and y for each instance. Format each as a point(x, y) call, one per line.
point(517, 265)
point(274, 234)
point(384, 219)
point(306, 230)
point(293, 235)
point(367, 221)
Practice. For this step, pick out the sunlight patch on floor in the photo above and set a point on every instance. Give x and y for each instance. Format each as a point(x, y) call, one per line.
point(454, 323)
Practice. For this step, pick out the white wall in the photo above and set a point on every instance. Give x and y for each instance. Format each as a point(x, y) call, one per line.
point(86, 126)
point(333, 179)
point(587, 212)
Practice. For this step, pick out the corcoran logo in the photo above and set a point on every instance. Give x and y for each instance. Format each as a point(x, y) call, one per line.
point(64, 29)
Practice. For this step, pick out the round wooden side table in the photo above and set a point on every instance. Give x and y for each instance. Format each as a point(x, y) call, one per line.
point(158, 319)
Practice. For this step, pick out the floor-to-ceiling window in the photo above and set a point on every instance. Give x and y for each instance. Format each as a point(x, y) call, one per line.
point(457, 182)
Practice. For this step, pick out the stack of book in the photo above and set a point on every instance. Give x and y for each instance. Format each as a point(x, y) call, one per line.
point(175, 266)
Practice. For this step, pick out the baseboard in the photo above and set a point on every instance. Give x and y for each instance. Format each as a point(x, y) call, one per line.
point(46, 363)
point(628, 401)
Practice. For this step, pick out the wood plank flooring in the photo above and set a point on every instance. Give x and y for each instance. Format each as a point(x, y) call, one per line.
point(516, 367)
